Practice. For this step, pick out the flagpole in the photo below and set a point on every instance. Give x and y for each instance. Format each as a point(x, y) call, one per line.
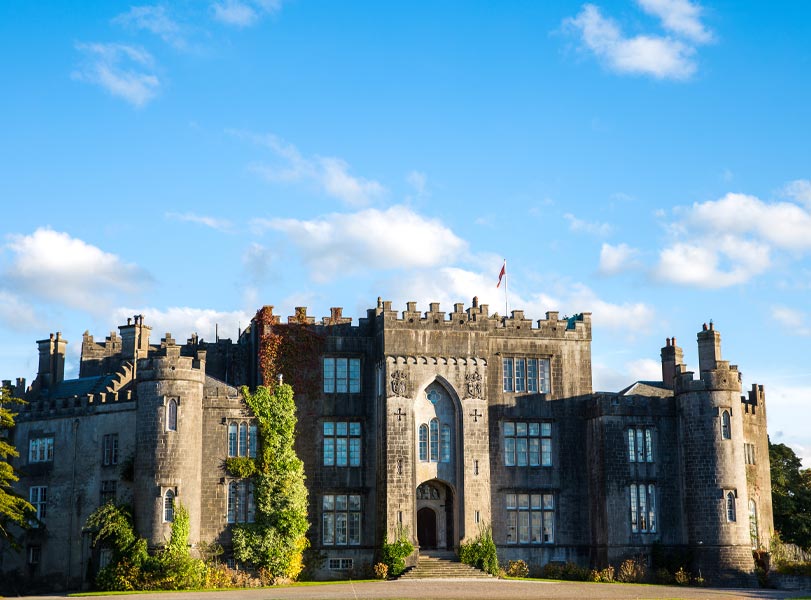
point(506, 278)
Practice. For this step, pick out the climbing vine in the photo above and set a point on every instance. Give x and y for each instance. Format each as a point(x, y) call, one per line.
point(277, 539)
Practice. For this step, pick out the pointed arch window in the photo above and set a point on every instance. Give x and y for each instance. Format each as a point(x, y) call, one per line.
point(731, 516)
point(445, 444)
point(169, 506)
point(424, 442)
point(232, 439)
point(726, 426)
point(171, 415)
point(434, 440)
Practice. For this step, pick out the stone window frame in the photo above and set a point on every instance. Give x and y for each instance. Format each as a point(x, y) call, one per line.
point(241, 503)
point(168, 505)
point(643, 507)
point(340, 564)
point(34, 555)
point(726, 424)
point(41, 449)
point(239, 444)
point(435, 441)
point(423, 442)
point(753, 524)
point(109, 449)
point(341, 519)
point(172, 413)
point(108, 491)
point(341, 438)
point(38, 498)
point(341, 381)
point(526, 374)
point(749, 453)
point(640, 444)
point(518, 438)
point(730, 505)
point(532, 512)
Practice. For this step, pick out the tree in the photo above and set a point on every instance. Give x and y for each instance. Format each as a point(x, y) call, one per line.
point(276, 540)
point(791, 496)
point(14, 509)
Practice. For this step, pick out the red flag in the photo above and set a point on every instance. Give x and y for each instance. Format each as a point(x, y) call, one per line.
point(502, 273)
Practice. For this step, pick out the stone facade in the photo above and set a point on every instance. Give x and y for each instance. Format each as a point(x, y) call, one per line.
point(434, 424)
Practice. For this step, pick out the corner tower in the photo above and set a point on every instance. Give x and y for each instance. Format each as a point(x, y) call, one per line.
point(712, 442)
point(169, 440)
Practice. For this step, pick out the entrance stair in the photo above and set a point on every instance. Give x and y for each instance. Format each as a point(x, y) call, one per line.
point(435, 564)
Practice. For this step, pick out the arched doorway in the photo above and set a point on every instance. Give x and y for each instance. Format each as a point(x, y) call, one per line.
point(426, 527)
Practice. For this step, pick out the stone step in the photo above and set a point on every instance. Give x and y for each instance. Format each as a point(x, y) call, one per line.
point(442, 564)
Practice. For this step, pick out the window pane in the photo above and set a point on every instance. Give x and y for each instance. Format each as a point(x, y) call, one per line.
point(434, 439)
point(726, 429)
point(548, 527)
point(340, 375)
point(523, 501)
point(354, 429)
point(329, 428)
point(340, 428)
point(535, 501)
point(509, 428)
point(445, 444)
point(243, 439)
point(354, 528)
point(329, 375)
point(354, 452)
point(424, 442)
point(521, 429)
point(510, 501)
point(354, 502)
point(536, 527)
point(643, 509)
point(651, 508)
point(520, 366)
point(532, 375)
point(232, 502)
point(354, 375)
point(329, 502)
point(509, 451)
point(521, 451)
point(329, 451)
point(640, 447)
point(543, 375)
point(546, 452)
point(631, 448)
point(340, 503)
point(512, 527)
point(534, 429)
point(548, 501)
point(634, 509)
point(340, 528)
point(328, 528)
point(648, 446)
point(523, 527)
point(507, 364)
point(253, 440)
point(546, 429)
point(341, 452)
point(534, 452)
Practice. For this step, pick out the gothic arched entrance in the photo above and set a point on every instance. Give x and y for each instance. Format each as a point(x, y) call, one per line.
point(426, 527)
point(435, 515)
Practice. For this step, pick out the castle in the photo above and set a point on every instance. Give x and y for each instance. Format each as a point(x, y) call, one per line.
point(435, 423)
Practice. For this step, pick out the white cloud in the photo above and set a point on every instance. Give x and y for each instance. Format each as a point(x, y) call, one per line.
point(660, 57)
point(155, 20)
point(593, 228)
point(712, 262)
point(124, 71)
point(800, 190)
point(182, 321)
point(616, 259)
point(15, 313)
point(329, 174)
point(794, 321)
point(682, 17)
point(370, 238)
point(242, 13)
point(644, 369)
point(66, 270)
point(223, 225)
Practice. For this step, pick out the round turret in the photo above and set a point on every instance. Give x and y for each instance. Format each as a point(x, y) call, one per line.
point(169, 442)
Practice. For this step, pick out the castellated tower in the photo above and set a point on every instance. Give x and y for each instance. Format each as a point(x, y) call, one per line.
point(169, 440)
point(712, 443)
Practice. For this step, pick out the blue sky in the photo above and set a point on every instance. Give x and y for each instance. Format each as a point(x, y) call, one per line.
point(646, 160)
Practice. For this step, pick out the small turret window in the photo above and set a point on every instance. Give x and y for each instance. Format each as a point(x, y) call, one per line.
point(753, 534)
point(731, 507)
point(726, 426)
point(171, 415)
point(169, 506)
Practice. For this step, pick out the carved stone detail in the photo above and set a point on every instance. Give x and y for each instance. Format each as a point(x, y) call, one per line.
point(473, 383)
point(399, 379)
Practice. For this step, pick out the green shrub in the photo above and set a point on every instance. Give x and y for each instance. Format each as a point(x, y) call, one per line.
point(381, 571)
point(481, 552)
point(682, 577)
point(517, 568)
point(603, 575)
point(393, 554)
point(569, 571)
point(240, 466)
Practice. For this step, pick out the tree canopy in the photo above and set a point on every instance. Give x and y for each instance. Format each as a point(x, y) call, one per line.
point(14, 509)
point(791, 496)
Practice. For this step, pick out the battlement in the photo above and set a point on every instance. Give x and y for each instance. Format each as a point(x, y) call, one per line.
point(76, 405)
point(754, 403)
point(715, 374)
